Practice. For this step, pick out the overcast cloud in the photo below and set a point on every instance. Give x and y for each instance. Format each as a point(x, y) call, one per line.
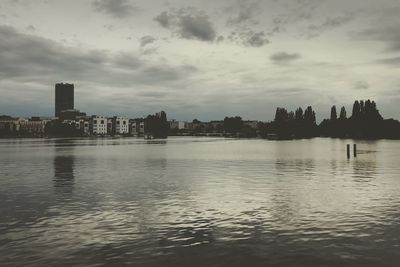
point(199, 59)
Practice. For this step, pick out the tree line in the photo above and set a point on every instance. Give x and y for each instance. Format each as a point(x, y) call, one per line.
point(365, 122)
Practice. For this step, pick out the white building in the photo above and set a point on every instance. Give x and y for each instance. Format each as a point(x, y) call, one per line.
point(121, 125)
point(98, 125)
point(179, 125)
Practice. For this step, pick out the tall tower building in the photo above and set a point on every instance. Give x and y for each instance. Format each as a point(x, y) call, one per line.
point(64, 97)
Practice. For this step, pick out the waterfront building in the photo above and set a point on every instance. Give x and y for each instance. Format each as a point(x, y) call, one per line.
point(64, 97)
point(9, 125)
point(178, 125)
point(84, 125)
point(98, 125)
point(71, 114)
point(121, 125)
point(32, 127)
point(141, 127)
point(133, 129)
point(110, 129)
point(118, 126)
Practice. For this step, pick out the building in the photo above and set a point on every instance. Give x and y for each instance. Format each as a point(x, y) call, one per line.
point(118, 126)
point(177, 125)
point(64, 97)
point(85, 126)
point(9, 125)
point(81, 125)
point(98, 125)
point(121, 125)
point(141, 127)
point(71, 114)
point(32, 127)
point(133, 127)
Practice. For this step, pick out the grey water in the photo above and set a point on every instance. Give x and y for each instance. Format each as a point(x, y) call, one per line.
point(198, 202)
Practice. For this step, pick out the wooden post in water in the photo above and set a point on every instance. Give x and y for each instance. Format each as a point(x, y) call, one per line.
point(355, 150)
point(348, 151)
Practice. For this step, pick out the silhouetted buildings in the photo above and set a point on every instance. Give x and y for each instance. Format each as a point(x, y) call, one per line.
point(64, 97)
point(71, 114)
point(365, 123)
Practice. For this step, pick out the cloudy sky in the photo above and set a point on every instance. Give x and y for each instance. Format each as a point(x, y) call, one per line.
point(199, 58)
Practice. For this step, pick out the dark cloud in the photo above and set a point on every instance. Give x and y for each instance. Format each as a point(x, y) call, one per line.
point(255, 39)
point(27, 58)
point(164, 19)
point(188, 23)
point(145, 40)
point(249, 38)
point(115, 8)
point(283, 57)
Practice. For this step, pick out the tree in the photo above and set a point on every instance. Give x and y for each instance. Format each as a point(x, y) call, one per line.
point(356, 110)
point(299, 114)
point(333, 113)
point(233, 124)
point(157, 125)
point(309, 116)
point(281, 115)
point(343, 114)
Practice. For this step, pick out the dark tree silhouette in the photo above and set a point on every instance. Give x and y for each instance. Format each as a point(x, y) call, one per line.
point(365, 122)
point(333, 113)
point(157, 125)
point(343, 114)
point(233, 125)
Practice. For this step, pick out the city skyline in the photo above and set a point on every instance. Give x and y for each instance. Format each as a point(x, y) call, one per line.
point(197, 59)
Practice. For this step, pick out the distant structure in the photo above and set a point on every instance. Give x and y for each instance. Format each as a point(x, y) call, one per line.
point(117, 126)
point(64, 99)
point(98, 125)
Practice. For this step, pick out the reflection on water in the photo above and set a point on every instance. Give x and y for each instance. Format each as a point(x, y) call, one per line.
point(198, 202)
point(63, 169)
point(364, 170)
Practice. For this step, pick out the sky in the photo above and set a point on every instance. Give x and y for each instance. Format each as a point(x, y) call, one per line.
point(199, 58)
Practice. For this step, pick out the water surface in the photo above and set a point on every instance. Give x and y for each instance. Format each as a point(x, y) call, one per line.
point(198, 202)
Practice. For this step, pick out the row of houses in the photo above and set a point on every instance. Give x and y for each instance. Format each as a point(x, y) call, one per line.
point(87, 125)
point(33, 126)
point(100, 125)
point(103, 126)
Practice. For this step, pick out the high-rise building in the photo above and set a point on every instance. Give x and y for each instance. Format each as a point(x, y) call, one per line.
point(64, 97)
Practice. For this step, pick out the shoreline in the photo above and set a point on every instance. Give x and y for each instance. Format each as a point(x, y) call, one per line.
point(195, 136)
